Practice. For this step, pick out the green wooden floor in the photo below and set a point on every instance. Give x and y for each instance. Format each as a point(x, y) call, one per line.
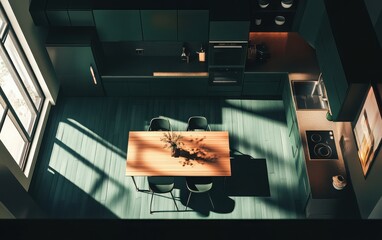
point(80, 171)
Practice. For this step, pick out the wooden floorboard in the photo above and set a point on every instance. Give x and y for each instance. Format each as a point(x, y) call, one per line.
point(80, 171)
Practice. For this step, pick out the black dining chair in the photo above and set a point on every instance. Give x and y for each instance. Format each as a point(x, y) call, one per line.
point(199, 185)
point(161, 185)
point(160, 124)
point(198, 123)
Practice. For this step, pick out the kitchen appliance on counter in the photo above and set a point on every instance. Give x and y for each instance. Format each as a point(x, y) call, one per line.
point(321, 144)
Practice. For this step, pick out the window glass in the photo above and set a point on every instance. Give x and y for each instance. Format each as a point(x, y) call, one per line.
point(3, 24)
point(2, 109)
point(15, 96)
point(25, 75)
point(12, 140)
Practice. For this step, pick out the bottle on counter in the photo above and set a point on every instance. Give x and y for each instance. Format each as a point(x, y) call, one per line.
point(202, 54)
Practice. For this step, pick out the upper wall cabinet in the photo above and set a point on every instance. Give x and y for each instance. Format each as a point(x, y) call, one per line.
point(37, 10)
point(193, 25)
point(344, 91)
point(62, 13)
point(311, 20)
point(57, 13)
point(159, 25)
point(118, 25)
point(347, 69)
point(229, 31)
point(81, 13)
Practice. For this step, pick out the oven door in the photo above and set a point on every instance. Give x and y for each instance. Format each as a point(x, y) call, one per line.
point(227, 53)
point(229, 76)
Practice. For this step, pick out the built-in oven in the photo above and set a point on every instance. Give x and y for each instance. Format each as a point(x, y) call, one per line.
point(227, 53)
point(227, 76)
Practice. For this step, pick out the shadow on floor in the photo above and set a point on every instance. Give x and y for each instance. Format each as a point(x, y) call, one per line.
point(249, 176)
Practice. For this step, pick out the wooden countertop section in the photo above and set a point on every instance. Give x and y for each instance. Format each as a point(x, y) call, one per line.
point(180, 74)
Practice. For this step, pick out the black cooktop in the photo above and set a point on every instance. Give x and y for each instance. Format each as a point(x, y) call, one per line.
point(321, 144)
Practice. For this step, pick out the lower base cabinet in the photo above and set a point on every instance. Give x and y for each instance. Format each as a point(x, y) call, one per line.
point(155, 86)
point(323, 208)
point(263, 84)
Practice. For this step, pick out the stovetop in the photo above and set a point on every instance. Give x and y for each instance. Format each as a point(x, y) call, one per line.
point(321, 144)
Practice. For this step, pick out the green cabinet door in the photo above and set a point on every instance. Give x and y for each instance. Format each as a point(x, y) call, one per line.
point(164, 86)
point(331, 67)
point(193, 25)
point(192, 86)
point(57, 13)
point(159, 25)
point(124, 86)
point(229, 31)
point(118, 25)
point(72, 65)
point(263, 84)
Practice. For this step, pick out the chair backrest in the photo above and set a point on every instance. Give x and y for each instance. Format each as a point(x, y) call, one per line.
point(198, 123)
point(160, 124)
point(161, 184)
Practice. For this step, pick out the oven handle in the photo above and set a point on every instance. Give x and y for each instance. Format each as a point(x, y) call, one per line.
point(226, 46)
point(224, 81)
point(230, 42)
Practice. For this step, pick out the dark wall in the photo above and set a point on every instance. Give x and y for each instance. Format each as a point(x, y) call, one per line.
point(15, 198)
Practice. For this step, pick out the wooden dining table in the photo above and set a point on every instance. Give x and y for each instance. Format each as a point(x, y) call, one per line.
point(202, 153)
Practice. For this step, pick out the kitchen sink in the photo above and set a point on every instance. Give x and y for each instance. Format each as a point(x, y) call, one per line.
point(309, 95)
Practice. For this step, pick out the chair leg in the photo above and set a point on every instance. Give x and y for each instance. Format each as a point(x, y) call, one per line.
point(151, 202)
point(173, 198)
point(213, 207)
point(189, 196)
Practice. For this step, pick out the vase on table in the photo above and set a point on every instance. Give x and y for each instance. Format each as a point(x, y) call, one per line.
point(175, 151)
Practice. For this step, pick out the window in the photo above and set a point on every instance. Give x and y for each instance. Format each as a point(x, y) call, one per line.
point(21, 97)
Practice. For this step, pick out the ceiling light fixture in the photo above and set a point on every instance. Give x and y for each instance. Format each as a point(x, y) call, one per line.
point(93, 75)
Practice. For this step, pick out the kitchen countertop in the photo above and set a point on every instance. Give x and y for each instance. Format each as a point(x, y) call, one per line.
point(320, 172)
point(289, 52)
point(146, 66)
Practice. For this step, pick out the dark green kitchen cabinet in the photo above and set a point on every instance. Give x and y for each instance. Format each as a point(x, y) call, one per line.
point(159, 25)
point(344, 90)
point(124, 86)
point(193, 25)
point(154, 86)
point(72, 56)
point(297, 150)
point(303, 185)
point(229, 31)
point(118, 25)
point(164, 86)
point(192, 86)
point(263, 84)
point(57, 13)
point(81, 13)
point(311, 20)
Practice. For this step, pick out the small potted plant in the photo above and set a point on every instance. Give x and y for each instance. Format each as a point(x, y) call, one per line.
point(172, 140)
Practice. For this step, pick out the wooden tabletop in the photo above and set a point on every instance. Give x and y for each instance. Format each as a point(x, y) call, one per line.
point(203, 153)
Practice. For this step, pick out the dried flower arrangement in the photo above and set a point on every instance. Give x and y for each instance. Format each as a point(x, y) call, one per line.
point(171, 139)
